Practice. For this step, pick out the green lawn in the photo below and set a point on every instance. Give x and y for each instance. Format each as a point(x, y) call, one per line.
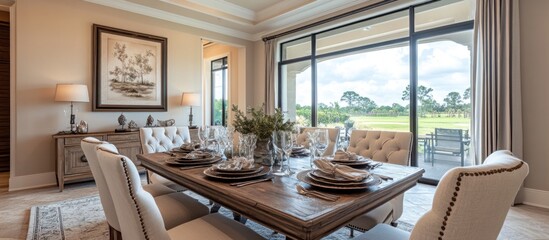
point(402, 123)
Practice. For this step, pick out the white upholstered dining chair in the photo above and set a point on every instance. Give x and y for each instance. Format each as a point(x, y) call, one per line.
point(469, 203)
point(176, 208)
point(142, 217)
point(381, 146)
point(333, 134)
point(162, 139)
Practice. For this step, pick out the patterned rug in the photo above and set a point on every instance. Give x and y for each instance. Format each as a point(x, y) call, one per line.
point(83, 218)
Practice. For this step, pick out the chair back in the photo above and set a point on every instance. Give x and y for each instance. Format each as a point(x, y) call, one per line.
point(89, 145)
point(382, 146)
point(141, 216)
point(333, 134)
point(472, 202)
point(162, 139)
point(448, 138)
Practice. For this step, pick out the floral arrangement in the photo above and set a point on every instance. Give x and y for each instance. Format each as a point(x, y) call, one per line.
point(259, 123)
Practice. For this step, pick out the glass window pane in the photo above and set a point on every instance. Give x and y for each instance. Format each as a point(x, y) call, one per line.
point(442, 13)
point(217, 64)
point(376, 30)
point(217, 96)
point(444, 109)
point(296, 48)
point(365, 87)
point(296, 92)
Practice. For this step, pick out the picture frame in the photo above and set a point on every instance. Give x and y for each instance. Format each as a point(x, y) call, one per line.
point(129, 71)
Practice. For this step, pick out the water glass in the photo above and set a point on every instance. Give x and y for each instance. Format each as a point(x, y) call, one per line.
point(204, 136)
point(321, 142)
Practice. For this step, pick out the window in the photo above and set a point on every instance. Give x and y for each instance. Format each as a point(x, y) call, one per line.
point(219, 91)
point(407, 70)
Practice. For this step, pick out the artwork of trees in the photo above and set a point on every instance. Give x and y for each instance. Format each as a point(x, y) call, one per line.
point(130, 77)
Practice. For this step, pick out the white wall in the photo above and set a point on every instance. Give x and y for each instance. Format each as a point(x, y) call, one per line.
point(53, 44)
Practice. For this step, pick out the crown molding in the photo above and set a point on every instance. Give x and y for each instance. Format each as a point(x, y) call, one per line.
point(171, 17)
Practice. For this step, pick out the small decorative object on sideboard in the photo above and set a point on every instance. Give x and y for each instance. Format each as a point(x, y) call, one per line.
point(82, 127)
point(122, 121)
point(132, 126)
point(166, 123)
point(150, 121)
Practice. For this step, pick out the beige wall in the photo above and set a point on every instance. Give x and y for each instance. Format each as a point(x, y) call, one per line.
point(534, 37)
point(54, 45)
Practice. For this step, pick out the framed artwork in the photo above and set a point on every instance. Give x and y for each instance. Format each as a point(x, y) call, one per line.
point(129, 71)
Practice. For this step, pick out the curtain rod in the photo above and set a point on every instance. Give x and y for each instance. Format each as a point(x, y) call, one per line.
point(330, 19)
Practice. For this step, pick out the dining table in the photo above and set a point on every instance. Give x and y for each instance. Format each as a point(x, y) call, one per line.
point(277, 204)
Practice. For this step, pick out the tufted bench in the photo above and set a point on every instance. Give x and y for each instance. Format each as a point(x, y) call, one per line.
point(162, 139)
point(381, 146)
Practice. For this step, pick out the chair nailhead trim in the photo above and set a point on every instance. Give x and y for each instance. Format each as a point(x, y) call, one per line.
point(458, 183)
point(132, 195)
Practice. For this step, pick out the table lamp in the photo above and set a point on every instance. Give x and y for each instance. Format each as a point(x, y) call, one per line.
point(72, 93)
point(190, 99)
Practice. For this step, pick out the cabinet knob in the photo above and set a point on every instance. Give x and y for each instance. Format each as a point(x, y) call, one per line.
point(83, 158)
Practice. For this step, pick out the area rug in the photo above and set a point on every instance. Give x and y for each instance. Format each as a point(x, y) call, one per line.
point(83, 218)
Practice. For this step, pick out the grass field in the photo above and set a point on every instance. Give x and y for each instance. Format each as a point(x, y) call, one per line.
point(402, 123)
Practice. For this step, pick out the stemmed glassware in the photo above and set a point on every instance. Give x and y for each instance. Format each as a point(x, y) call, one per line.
point(322, 140)
point(283, 141)
point(230, 138)
point(246, 145)
point(204, 136)
point(220, 135)
point(311, 137)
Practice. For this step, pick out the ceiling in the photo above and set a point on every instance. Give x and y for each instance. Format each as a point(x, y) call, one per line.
point(246, 19)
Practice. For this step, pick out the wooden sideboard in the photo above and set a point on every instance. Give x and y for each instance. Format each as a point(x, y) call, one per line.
point(72, 165)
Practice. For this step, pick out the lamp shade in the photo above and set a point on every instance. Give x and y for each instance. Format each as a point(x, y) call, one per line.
point(71, 93)
point(190, 99)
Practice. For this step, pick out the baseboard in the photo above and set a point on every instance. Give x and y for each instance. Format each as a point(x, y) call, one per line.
point(32, 181)
point(535, 197)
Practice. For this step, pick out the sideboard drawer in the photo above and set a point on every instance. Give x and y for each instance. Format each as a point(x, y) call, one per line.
point(75, 161)
point(76, 140)
point(123, 137)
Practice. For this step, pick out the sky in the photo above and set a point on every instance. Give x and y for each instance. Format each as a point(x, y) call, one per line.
point(383, 75)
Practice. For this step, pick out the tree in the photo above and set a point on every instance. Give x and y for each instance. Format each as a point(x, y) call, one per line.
point(142, 64)
point(453, 101)
point(467, 94)
point(351, 98)
point(424, 97)
point(120, 54)
point(365, 105)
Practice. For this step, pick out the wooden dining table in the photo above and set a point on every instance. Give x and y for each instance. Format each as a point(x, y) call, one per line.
point(276, 203)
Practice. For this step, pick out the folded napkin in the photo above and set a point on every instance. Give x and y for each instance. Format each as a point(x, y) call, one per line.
point(343, 171)
point(197, 155)
point(235, 164)
point(341, 155)
point(189, 146)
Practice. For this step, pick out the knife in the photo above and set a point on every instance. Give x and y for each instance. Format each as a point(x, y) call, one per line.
point(242, 184)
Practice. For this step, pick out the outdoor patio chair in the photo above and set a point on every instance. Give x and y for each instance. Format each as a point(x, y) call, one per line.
point(451, 142)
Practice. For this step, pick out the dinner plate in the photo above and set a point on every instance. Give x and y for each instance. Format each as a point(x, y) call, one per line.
point(173, 161)
point(302, 176)
point(179, 150)
point(253, 169)
point(213, 174)
point(238, 173)
point(370, 180)
point(358, 163)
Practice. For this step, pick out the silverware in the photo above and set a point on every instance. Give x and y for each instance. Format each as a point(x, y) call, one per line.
point(242, 184)
point(328, 197)
point(170, 154)
point(383, 177)
point(198, 166)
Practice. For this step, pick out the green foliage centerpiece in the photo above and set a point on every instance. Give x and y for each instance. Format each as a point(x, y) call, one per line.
point(262, 125)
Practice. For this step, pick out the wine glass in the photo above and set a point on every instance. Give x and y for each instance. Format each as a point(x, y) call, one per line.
point(283, 141)
point(220, 135)
point(321, 142)
point(203, 135)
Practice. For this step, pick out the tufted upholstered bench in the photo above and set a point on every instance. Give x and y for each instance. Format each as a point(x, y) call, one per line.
point(381, 146)
point(162, 139)
point(333, 134)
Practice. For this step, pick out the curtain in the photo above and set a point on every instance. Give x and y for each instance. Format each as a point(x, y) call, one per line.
point(496, 119)
point(270, 77)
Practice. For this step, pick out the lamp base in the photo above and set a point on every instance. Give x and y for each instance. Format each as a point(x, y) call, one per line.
point(193, 127)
